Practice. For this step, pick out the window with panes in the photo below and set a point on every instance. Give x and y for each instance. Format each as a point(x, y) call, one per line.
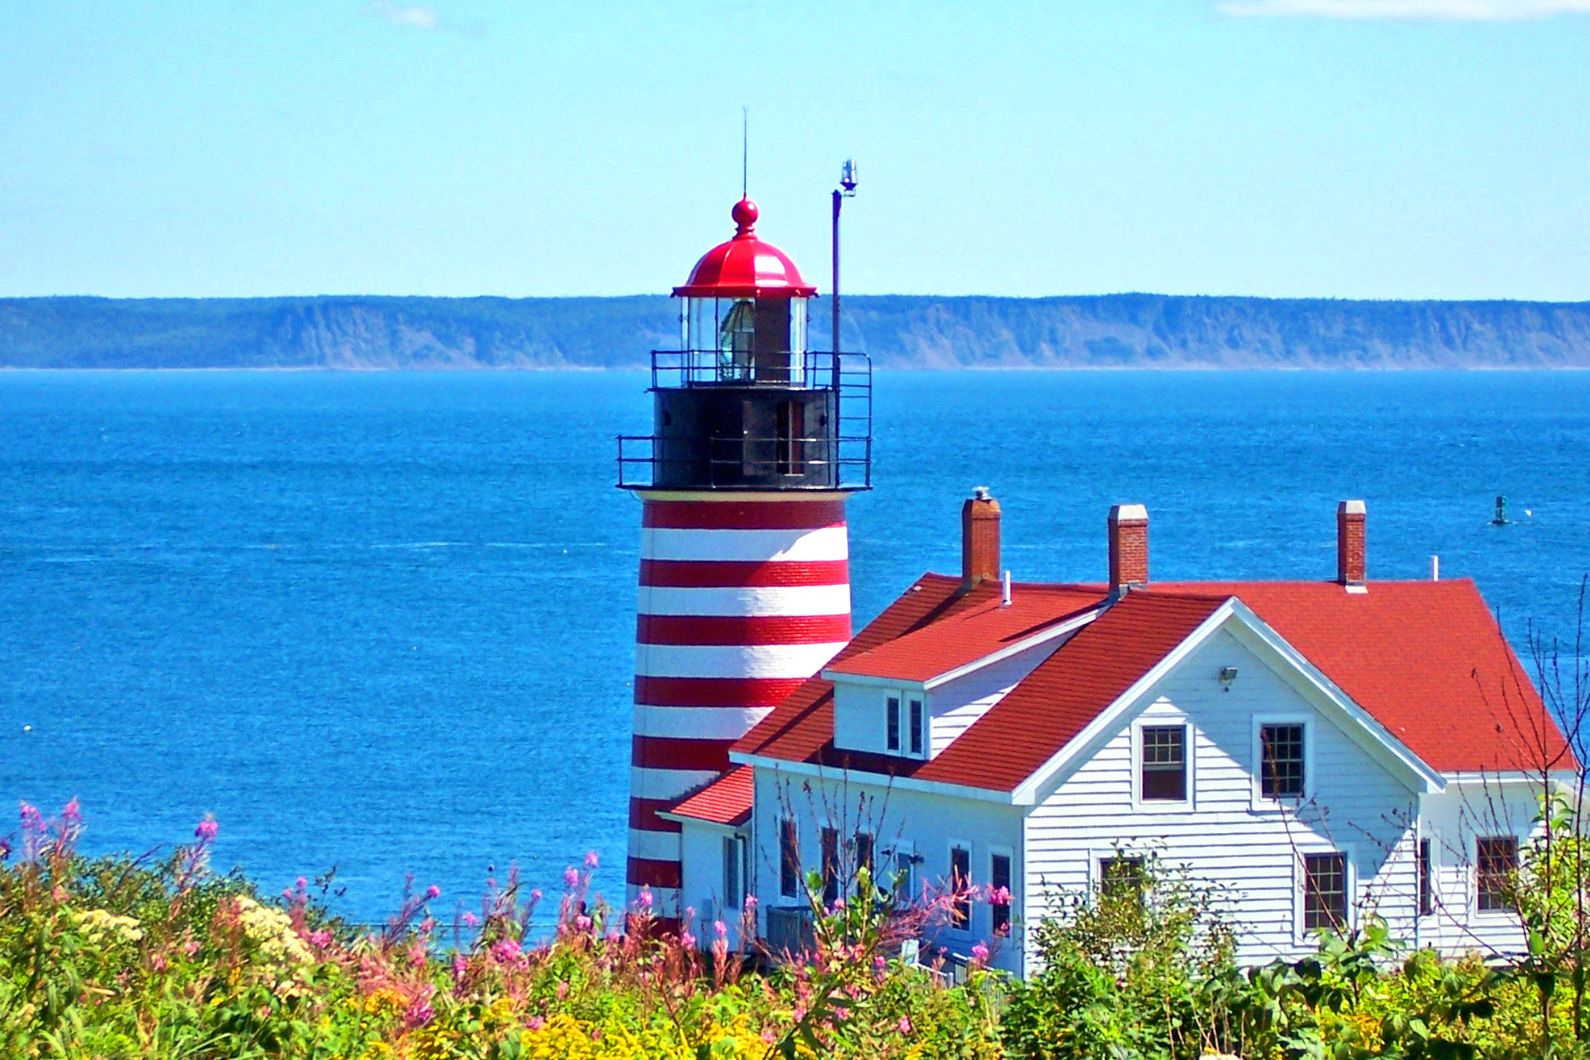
point(1495, 863)
point(830, 847)
point(789, 859)
point(1164, 763)
point(1281, 760)
point(999, 893)
point(1426, 884)
point(1324, 890)
point(960, 884)
point(733, 873)
point(1121, 876)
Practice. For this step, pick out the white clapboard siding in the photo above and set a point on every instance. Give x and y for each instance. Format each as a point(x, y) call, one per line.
point(1250, 857)
point(927, 823)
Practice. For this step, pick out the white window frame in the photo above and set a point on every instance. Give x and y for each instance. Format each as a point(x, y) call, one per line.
point(1303, 934)
point(735, 842)
point(1097, 856)
point(950, 846)
point(902, 714)
point(1427, 836)
point(1261, 802)
point(1189, 766)
point(906, 849)
point(921, 753)
point(779, 860)
point(1507, 915)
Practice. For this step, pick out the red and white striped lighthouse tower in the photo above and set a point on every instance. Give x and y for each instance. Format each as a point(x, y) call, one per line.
point(744, 569)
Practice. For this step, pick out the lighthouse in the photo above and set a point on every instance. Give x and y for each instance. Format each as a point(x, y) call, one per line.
point(756, 443)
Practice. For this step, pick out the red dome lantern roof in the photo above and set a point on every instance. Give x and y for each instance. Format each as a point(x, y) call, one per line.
point(745, 266)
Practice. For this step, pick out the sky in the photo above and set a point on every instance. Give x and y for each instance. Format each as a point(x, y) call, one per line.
point(1279, 148)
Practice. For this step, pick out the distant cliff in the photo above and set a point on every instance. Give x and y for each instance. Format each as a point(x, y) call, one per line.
point(1128, 330)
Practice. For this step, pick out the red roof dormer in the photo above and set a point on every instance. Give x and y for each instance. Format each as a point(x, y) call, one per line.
point(745, 266)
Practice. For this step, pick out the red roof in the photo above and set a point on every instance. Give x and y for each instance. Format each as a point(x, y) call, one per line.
point(1425, 659)
point(726, 800)
point(745, 266)
point(972, 633)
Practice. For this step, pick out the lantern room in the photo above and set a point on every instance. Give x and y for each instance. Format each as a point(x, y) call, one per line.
point(745, 301)
point(744, 404)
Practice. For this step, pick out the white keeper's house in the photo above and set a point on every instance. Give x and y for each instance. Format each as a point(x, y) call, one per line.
point(1314, 750)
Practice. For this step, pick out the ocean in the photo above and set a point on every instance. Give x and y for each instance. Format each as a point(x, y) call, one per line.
point(382, 623)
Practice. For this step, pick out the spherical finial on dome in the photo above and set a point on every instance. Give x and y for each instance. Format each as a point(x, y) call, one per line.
point(745, 214)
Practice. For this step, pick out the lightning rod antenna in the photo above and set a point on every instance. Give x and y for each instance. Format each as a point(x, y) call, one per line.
point(745, 151)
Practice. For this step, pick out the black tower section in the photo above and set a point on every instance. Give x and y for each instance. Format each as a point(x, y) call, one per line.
point(754, 414)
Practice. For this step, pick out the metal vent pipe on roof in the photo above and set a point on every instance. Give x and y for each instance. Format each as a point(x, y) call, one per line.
point(1004, 590)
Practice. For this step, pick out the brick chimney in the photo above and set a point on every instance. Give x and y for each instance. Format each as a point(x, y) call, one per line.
point(1128, 546)
point(1350, 561)
point(979, 538)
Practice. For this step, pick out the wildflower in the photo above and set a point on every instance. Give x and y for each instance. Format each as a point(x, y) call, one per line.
point(419, 1013)
point(320, 939)
point(563, 990)
point(582, 923)
point(720, 929)
point(571, 877)
point(591, 859)
point(644, 898)
point(535, 895)
point(905, 1025)
point(980, 953)
point(535, 1023)
point(433, 891)
point(687, 940)
point(470, 919)
point(207, 829)
point(750, 903)
point(505, 950)
point(841, 1012)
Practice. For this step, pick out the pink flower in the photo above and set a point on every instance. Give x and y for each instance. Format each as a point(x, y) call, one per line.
point(582, 923)
point(207, 829)
point(905, 1025)
point(535, 895)
point(720, 929)
point(320, 939)
point(644, 898)
point(563, 990)
point(470, 919)
point(687, 940)
point(535, 1023)
point(433, 891)
point(505, 950)
point(980, 953)
point(591, 859)
point(419, 1013)
point(750, 903)
point(571, 877)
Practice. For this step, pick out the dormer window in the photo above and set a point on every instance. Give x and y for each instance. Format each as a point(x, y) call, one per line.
point(905, 723)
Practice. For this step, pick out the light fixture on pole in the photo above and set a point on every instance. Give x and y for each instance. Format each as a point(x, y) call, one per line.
point(846, 190)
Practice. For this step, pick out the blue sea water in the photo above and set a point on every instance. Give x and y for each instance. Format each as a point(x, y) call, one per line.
point(383, 622)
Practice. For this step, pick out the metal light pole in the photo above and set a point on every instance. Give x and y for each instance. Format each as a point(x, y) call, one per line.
point(846, 190)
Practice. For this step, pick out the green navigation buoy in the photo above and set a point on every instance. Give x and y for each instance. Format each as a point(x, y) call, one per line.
point(1500, 518)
